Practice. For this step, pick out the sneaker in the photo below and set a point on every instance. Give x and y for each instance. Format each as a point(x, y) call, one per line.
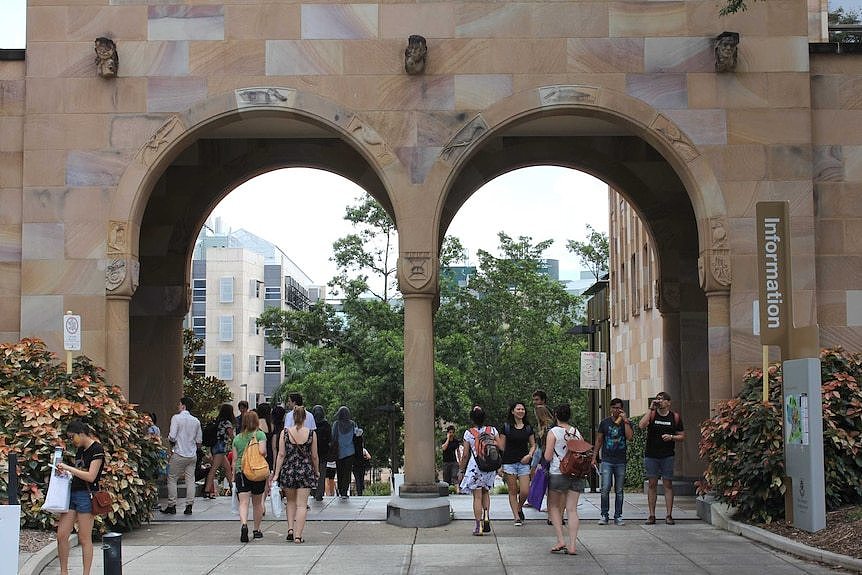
point(170, 509)
point(188, 510)
point(518, 523)
point(477, 531)
point(521, 516)
point(603, 520)
point(486, 526)
point(243, 534)
point(619, 521)
point(257, 534)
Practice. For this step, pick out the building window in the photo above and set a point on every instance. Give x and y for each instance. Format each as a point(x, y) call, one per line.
point(253, 328)
point(272, 292)
point(647, 277)
point(199, 326)
point(255, 287)
point(624, 310)
point(199, 364)
point(254, 363)
point(199, 290)
point(636, 286)
point(225, 328)
point(225, 292)
point(225, 366)
point(294, 294)
point(272, 366)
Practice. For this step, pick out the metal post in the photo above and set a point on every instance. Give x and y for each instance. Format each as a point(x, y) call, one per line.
point(112, 549)
point(13, 479)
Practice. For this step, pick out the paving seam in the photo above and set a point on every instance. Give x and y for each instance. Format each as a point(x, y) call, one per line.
point(325, 549)
point(412, 546)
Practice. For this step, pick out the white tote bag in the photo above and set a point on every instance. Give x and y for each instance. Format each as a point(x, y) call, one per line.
point(59, 494)
point(234, 501)
point(277, 502)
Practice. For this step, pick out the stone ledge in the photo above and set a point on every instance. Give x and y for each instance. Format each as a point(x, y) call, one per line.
point(720, 517)
point(835, 48)
point(418, 511)
point(40, 559)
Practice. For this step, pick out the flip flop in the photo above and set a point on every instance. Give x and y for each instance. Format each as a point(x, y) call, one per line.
point(560, 550)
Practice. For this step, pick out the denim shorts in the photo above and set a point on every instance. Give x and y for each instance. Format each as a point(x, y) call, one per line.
point(81, 502)
point(517, 469)
point(559, 482)
point(654, 467)
point(218, 448)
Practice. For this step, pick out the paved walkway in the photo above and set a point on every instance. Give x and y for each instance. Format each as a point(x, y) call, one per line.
point(208, 542)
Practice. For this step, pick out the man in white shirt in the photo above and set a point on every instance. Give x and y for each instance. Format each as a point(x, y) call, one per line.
point(185, 438)
point(293, 400)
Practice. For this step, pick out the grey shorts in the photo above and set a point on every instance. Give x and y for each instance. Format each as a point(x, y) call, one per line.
point(566, 483)
point(654, 467)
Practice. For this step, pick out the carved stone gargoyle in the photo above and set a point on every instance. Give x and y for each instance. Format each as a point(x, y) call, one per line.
point(415, 55)
point(726, 45)
point(107, 60)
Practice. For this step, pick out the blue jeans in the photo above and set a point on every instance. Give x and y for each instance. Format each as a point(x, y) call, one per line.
point(618, 472)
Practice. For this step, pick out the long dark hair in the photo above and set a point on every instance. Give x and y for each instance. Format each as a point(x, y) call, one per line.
point(225, 413)
point(264, 412)
point(510, 417)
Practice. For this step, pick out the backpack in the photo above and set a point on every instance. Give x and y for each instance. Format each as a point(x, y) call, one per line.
point(486, 452)
point(254, 465)
point(210, 435)
point(577, 461)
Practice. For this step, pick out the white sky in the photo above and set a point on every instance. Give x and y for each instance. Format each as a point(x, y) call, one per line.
point(302, 212)
point(12, 18)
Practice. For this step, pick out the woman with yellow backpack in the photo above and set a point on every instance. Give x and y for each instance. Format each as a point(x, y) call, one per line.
point(252, 472)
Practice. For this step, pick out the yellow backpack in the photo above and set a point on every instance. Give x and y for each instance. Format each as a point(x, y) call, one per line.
point(254, 465)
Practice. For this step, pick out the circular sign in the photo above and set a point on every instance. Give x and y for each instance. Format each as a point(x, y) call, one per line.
point(72, 325)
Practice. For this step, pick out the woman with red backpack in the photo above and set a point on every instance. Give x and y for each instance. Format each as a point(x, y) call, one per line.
point(478, 467)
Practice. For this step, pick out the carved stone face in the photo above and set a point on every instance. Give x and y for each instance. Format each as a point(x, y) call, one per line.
point(725, 54)
point(107, 61)
point(415, 55)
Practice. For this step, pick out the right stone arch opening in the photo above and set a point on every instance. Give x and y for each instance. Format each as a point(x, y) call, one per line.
point(652, 187)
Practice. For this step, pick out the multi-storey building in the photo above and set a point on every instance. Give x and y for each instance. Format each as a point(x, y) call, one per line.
point(636, 332)
point(235, 277)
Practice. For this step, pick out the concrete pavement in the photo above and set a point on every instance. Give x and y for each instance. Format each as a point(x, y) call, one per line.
point(353, 537)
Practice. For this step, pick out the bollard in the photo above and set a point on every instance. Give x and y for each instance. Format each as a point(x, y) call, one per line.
point(112, 549)
point(13, 479)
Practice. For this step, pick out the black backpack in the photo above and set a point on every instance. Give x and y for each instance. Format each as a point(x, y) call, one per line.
point(486, 452)
point(210, 435)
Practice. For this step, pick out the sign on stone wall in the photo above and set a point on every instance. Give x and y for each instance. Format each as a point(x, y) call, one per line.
point(594, 369)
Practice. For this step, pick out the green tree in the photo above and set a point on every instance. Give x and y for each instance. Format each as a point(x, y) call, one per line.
point(505, 335)
point(840, 17)
point(208, 393)
point(594, 253)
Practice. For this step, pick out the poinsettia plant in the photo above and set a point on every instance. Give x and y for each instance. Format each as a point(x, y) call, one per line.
point(38, 400)
point(743, 444)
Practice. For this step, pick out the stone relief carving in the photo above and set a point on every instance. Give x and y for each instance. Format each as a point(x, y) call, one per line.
point(716, 259)
point(667, 296)
point(415, 55)
point(115, 273)
point(371, 140)
point(550, 95)
point(726, 51)
point(117, 237)
point(107, 60)
point(464, 138)
point(153, 147)
point(415, 268)
point(172, 298)
point(667, 130)
point(265, 96)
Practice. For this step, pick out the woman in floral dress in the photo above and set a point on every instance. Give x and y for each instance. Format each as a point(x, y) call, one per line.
point(297, 469)
point(477, 482)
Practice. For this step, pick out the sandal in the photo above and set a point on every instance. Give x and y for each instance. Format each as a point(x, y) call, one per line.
point(560, 550)
point(289, 535)
point(298, 540)
point(477, 531)
point(650, 520)
point(669, 520)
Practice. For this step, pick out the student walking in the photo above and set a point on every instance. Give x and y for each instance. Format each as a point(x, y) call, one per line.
point(480, 441)
point(89, 464)
point(224, 441)
point(563, 490)
point(342, 436)
point(296, 470)
point(323, 434)
point(247, 489)
point(518, 442)
point(612, 440)
point(185, 438)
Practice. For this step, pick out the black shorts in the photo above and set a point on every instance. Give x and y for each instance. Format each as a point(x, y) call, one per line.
point(245, 485)
point(330, 472)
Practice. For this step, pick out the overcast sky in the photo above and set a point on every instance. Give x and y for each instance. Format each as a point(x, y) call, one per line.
point(302, 211)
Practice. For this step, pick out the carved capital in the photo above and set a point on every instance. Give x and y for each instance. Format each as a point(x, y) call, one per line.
point(417, 272)
point(122, 275)
point(713, 264)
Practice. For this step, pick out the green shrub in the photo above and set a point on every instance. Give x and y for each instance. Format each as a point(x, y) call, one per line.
point(744, 442)
point(38, 400)
point(378, 488)
point(501, 490)
point(635, 458)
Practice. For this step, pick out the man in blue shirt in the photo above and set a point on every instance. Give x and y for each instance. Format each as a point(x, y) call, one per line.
point(612, 440)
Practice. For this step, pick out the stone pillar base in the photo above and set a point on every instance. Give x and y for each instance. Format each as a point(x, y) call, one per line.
point(417, 511)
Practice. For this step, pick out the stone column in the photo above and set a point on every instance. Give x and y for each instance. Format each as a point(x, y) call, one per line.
point(419, 472)
point(720, 371)
point(117, 344)
point(418, 504)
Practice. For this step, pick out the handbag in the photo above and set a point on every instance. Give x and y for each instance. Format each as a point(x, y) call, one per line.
point(59, 494)
point(103, 503)
point(538, 487)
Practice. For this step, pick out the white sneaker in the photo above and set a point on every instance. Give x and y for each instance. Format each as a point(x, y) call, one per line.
point(603, 521)
point(619, 521)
